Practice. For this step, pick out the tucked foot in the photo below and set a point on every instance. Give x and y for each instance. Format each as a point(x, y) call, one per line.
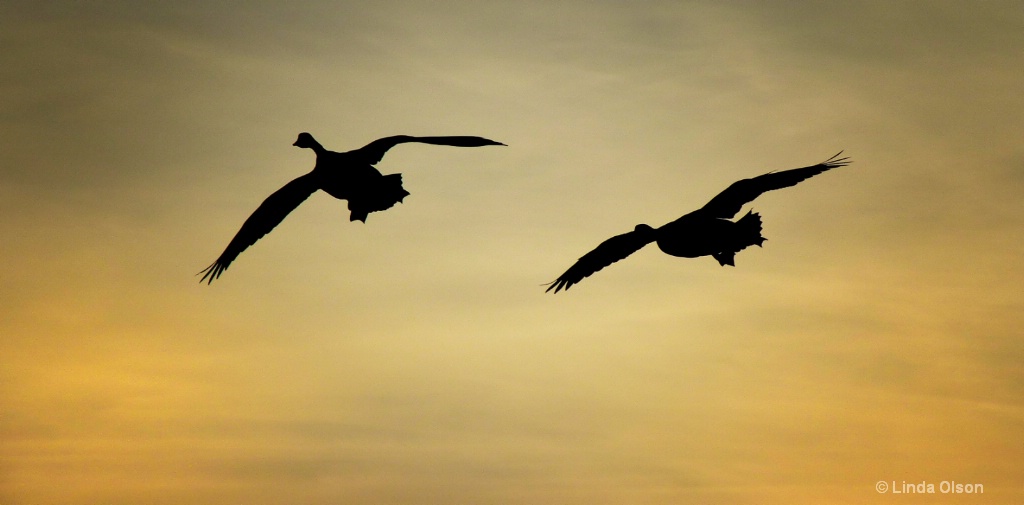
point(358, 215)
point(725, 258)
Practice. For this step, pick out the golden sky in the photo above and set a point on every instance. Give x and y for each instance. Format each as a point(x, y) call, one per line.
point(415, 359)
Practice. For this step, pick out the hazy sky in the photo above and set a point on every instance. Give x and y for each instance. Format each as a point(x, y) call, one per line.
point(415, 359)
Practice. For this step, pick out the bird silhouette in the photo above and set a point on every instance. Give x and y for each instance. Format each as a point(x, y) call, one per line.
point(706, 231)
point(346, 176)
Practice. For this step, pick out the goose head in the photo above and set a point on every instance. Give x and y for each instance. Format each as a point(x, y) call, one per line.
point(306, 141)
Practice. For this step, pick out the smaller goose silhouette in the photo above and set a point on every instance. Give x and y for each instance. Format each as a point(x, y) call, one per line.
point(704, 232)
point(346, 176)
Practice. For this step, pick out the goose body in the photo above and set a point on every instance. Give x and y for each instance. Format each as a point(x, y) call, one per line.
point(707, 231)
point(351, 176)
point(347, 176)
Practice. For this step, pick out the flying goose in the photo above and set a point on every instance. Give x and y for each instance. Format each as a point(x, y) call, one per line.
point(346, 176)
point(704, 232)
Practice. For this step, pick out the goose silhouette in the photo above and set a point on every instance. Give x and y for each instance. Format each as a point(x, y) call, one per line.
point(706, 231)
point(346, 176)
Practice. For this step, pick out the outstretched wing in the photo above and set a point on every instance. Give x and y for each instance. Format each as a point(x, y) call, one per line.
point(730, 201)
point(373, 152)
point(610, 251)
point(269, 214)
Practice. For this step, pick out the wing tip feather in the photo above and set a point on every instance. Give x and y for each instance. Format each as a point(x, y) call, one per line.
point(562, 283)
point(212, 272)
point(835, 161)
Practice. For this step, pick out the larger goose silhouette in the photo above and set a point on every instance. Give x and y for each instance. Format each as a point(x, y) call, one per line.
point(346, 176)
point(706, 231)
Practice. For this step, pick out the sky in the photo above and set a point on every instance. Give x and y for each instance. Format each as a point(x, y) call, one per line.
point(873, 343)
